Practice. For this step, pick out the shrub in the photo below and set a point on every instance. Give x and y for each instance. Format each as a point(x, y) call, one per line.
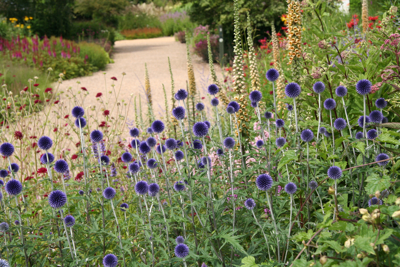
point(180, 36)
point(92, 31)
point(142, 33)
point(95, 55)
point(138, 21)
point(175, 22)
point(200, 43)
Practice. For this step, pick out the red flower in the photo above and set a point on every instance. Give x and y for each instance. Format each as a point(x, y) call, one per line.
point(47, 100)
point(272, 63)
point(66, 116)
point(99, 94)
point(373, 18)
point(38, 101)
point(271, 92)
point(124, 167)
point(84, 88)
point(42, 170)
point(55, 129)
point(278, 34)
point(18, 135)
point(371, 25)
point(34, 145)
point(284, 28)
point(113, 78)
point(28, 178)
point(56, 102)
point(79, 176)
point(26, 88)
point(48, 90)
point(74, 156)
point(36, 85)
point(106, 112)
point(33, 137)
point(35, 95)
point(78, 144)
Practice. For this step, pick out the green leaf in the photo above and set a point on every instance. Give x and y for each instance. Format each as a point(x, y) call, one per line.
point(288, 157)
point(376, 183)
point(383, 235)
point(233, 240)
point(360, 146)
point(336, 246)
point(387, 138)
point(338, 226)
point(249, 262)
point(363, 243)
point(300, 263)
point(396, 166)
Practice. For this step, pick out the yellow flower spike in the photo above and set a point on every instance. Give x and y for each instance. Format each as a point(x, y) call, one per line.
point(28, 27)
point(30, 18)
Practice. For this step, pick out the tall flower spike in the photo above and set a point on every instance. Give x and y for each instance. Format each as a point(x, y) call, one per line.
point(254, 76)
point(191, 78)
point(365, 15)
point(280, 82)
point(294, 38)
point(147, 90)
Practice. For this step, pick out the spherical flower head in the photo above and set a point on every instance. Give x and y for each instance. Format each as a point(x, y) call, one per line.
point(3, 173)
point(200, 129)
point(264, 182)
point(57, 199)
point(361, 121)
point(213, 89)
point(307, 135)
point(254, 104)
point(319, 87)
point(1, 196)
point(126, 157)
point(4, 263)
point(179, 143)
point(78, 112)
point(374, 201)
point(110, 260)
point(180, 240)
point(179, 155)
point(255, 96)
point(109, 193)
point(230, 110)
point(203, 265)
point(161, 148)
point(340, 124)
point(182, 94)
point(385, 120)
point(359, 135)
point(289, 107)
point(61, 166)
point(327, 134)
point(280, 142)
point(80, 122)
point(290, 188)
point(152, 164)
point(208, 124)
point(322, 130)
point(44, 143)
point(153, 189)
point(124, 207)
point(334, 172)
point(313, 185)
point(105, 160)
point(149, 130)
point(134, 167)
point(179, 113)
point(2, 182)
point(214, 102)
point(380, 157)
point(134, 132)
point(330, 104)
point(363, 87)
point(179, 186)
point(200, 165)
point(341, 91)
point(4, 227)
point(235, 105)
point(372, 134)
point(141, 187)
point(171, 144)
point(151, 142)
point(135, 143)
point(81, 192)
point(279, 123)
point(272, 75)
point(13, 168)
point(259, 143)
point(200, 106)
point(206, 160)
point(220, 152)
point(144, 148)
point(380, 103)
point(158, 126)
point(376, 116)
point(16, 222)
point(268, 115)
point(249, 203)
point(229, 142)
point(96, 136)
point(181, 250)
point(292, 90)
point(69, 220)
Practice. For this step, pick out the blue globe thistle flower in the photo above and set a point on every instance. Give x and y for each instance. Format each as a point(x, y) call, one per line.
point(341, 91)
point(272, 75)
point(159, 148)
point(206, 160)
point(134, 167)
point(380, 157)
point(57, 199)
point(152, 164)
point(249, 203)
point(44, 143)
point(372, 134)
point(280, 142)
point(124, 207)
point(268, 115)
point(4, 227)
point(158, 126)
point(109, 193)
point(179, 113)
point(179, 143)
point(340, 124)
point(179, 155)
point(385, 120)
point(144, 148)
point(110, 260)
point(259, 143)
point(376, 116)
point(171, 144)
point(153, 189)
point(181, 251)
point(220, 152)
point(141, 187)
point(279, 123)
point(292, 90)
point(289, 107)
point(208, 124)
point(13, 168)
point(134, 132)
point(151, 142)
point(254, 104)
point(214, 102)
point(200, 165)
point(361, 121)
point(229, 142)
point(264, 182)
point(327, 134)
point(203, 265)
point(82, 122)
point(319, 87)
point(307, 135)
point(13, 187)
point(313, 185)
point(230, 110)
point(330, 104)
point(213, 89)
point(359, 135)
point(96, 136)
point(4, 263)
point(334, 172)
point(1, 182)
point(135, 143)
point(380, 103)
point(322, 130)
point(69, 220)
point(149, 130)
point(200, 106)
point(291, 188)
point(61, 166)
point(374, 201)
point(105, 160)
point(363, 87)
point(255, 96)
point(3, 173)
point(235, 105)
point(180, 240)
point(200, 129)
point(78, 112)
point(182, 94)
point(179, 186)
point(16, 222)
point(81, 192)
point(126, 157)
point(1, 196)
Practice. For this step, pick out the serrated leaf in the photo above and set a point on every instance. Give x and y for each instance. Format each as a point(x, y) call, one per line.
point(383, 235)
point(249, 262)
point(363, 243)
point(376, 183)
point(387, 138)
point(288, 157)
point(336, 246)
point(360, 146)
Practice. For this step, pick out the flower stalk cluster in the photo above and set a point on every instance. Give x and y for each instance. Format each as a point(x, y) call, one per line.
point(294, 37)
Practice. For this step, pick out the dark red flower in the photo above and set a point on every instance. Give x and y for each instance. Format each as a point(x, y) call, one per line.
point(106, 112)
point(55, 129)
point(26, 88)
point(79, 176)
point(36, 95)
point(36, 85)
point(33, 137)
point(113, 78)
point(84, 88)
point(42, 170)
point(18, 135)
point(74, 156)
point(99, 94)
point(37, 101)
point(373, 18)
point(56, 102)
point(66, 116)
point(28, 178)
point(48, 90)
point(33, 145)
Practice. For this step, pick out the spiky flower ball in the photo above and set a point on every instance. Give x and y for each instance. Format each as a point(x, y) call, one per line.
point(279, 123)
point(268, 115)
point(134, 167)
point(376, 116)
point(280, 142)
point(372, 134)
point(4, 227)
point(3, 173)
point(220, 152)
point(319, 87)
point(153, 189)
point(124, 207)
point(213, 89)
point(230, 110)
point(249, 203)
point(200, 129)
point(109, 193)
point(149, 130)
point(1, 183)
point(272, 75)
point(259, 143)
point(152, 164)
point(180, 240)
point(61, 166)
point(340, 124)
point(179, 186)
point(330, 104)
point(363, 87)
point(81, 192)
point(385, 120)
point(141, 187)
point(4, 263)
point(214, 102)
point(235, 105)
point(322, 130)
point(361, 121)
point(126, 157)
point(179, 155)
point(151, 142)
point(229, 142)
point(359, 135)
point(110, 260)
point(144, 148)
point(105, 160)
point(44, 143)
point(161, 149)
point(341, 91)
point(289, 107)
point(380, 103)
point(206, 160)
point(179, 113)
point(255, 96)
point(77, 112)
point(290, 188)
point(96, 136)
point(380, 157)
point(334, 172)
point(57, 199)
point(200, 106)
point(182, 94)
point(292, 90)
point(264, 182)
point(181, 250)
point(253, 104)
point(158, 126)
point(134, 132)
point(171, 144)
point(307, 135)
point(135, 143)
point(374, 201)
point(313, 185)
point(69, 220)
point(80, 122)
point(13, 168)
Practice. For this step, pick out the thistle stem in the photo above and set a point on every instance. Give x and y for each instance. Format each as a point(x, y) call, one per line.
point(66, 233)
point(319, 119)
point(262, 230)
point(333, 135)
point(276, 227)
point(290, 223)
point(151, 230)
point(119, 231)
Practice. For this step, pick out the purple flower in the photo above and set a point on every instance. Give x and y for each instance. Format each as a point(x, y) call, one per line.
point(380, 157)
point(213, 89)
point(340, 124)
point(280, 142)
point(292, 90)
point(134, 132)
point(214, 102)
point(229, 142)
point(329, 104)
point(109, 193)
point(380, 103)
point(372, 134)
point(272, 75)
point(255, 96)
point(264, 182)
point(13, 187)
point(319, 87)
point(334, 172)
point(44, 143)
point(341, 91)
point(200, 129)
point(141, 187)
point(307, 135)
point(376, 116)
point(249, 203)
point(96, 136)
point(110, 260)
point(290, 188)
point(78, 112)
point(363, 87)
point(179, 113)
point(374, 201)
point(182, 94)
point(158, 126)
point(181, 250)
point(57, 199)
